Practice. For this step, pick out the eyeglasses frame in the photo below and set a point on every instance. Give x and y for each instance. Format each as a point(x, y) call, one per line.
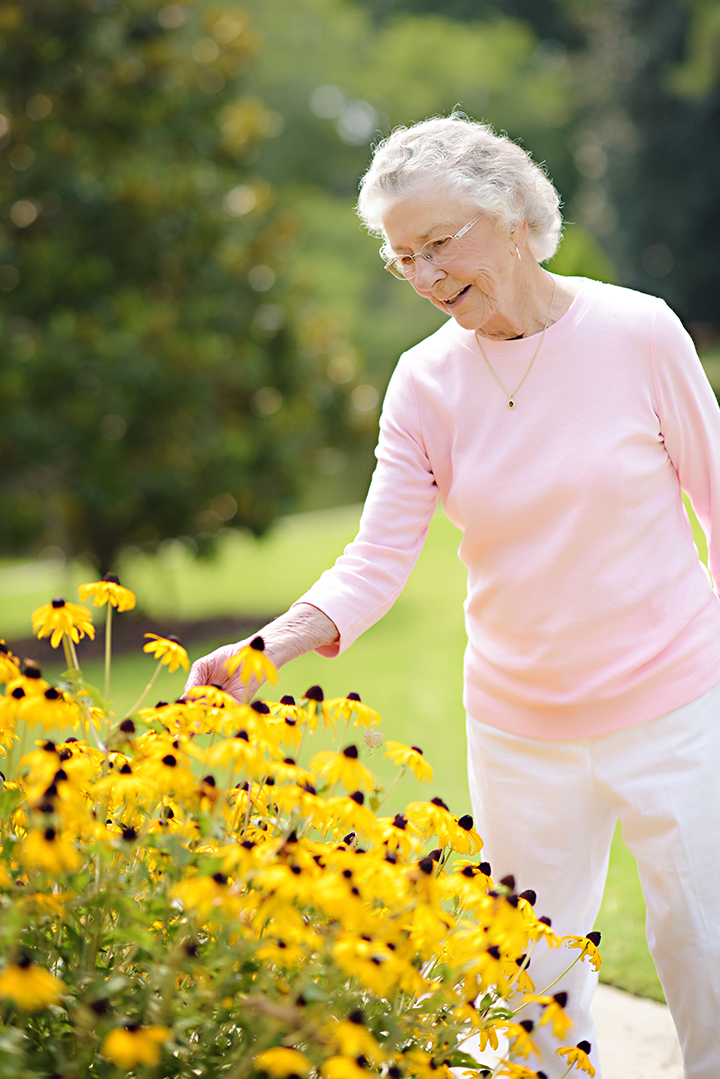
point(458, 236)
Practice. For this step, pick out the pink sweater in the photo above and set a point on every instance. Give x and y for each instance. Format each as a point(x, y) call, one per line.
point(587, 608)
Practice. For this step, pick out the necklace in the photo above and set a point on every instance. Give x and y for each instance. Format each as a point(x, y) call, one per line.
point(510, 396)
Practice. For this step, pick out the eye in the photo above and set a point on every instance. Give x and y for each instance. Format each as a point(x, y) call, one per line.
point(439, 244)
point(405, 260)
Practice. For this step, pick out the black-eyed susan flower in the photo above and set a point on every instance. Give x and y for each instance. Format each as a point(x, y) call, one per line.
point(397, 833)
point(207, 895)
point(281, 1062)
point(341, 1067)
point(343, 767)
point(434, 818)
point(133, 1044)
point(589, 945)
point(553, 1013)
point(522, 1043)
point(315, 707)
point(29, 986)
point(9, 664)
point(343, 708)
point(253, 663)
point(50, 709)
point(376, 966)
point(542, 930)
point(48, 850)
point(109, 590)
point(168, 651)
point(353, 1039)
point(511, 1070)
point(59, 619)
point(578, 1056)
point(409, 757)
point(351, 814)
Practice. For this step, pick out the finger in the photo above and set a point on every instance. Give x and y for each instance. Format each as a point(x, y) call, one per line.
point(197, 676)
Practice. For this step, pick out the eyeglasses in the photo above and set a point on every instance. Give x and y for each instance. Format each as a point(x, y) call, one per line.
point(439, 251)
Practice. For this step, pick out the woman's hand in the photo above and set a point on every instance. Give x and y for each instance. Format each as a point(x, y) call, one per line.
point(211, 670)
point(301, 629)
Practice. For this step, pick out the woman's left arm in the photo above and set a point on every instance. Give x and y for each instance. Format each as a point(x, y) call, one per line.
point(690, 423)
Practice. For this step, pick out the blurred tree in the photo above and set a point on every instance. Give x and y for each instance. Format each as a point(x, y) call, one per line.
point(156, 378)
point(341, 79)
point(649, 147)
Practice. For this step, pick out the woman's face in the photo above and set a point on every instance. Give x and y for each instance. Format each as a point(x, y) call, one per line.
point(477, 285)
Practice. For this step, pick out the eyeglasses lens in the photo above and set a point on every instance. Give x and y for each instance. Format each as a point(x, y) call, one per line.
point(437, 252)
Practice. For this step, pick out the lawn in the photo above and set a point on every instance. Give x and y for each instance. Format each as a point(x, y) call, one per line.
point(408, 666)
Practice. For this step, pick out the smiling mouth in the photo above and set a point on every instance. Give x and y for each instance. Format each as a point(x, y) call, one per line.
point(453, 299)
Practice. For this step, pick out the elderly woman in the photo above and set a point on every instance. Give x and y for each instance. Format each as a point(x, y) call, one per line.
point(558, 419)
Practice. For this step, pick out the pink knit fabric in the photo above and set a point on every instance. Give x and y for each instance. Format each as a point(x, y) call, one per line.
point(588, 609)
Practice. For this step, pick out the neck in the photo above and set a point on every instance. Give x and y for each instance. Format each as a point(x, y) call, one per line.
point(526, 311)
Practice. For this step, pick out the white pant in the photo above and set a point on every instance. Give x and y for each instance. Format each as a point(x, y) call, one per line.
point(547, 813)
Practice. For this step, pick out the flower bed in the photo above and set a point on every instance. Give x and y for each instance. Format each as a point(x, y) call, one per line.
point(189, 890)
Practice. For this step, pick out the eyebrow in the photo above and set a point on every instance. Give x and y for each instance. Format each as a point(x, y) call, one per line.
point(423, 236)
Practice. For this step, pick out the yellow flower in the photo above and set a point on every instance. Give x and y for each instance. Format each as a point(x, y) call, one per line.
point(589, 945)
point(168, 650)
point(434, 817)
point(342, 1068)
point(578, 1055)
point(353, 1039)
point(517, 1071)
point(410, 757)
point(109, 590)
point(316, 707)
point(344, 767)
point(50, 709)
point(519, 1033)
point(29, 986)
point(553, 1012)
point(253, 662)
point(204, 895)
point(281, 1062)
point(47, 850)
point(62, 619)
point(343, 707)
point(9, 664)
point(133, 1044)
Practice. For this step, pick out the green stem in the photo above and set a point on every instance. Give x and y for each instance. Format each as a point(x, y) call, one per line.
point(108, 648)
point(145, 692)
point(392, 786)
point(70, 654)
point(547, 988)
point(247, 809)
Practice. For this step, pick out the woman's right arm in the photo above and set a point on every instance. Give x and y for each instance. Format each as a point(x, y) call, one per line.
point(371, 573)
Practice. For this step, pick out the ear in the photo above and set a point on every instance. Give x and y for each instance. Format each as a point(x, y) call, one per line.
point(519, 236)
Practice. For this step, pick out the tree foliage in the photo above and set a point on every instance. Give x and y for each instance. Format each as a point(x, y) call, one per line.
point(156, 375)
point(654, 113)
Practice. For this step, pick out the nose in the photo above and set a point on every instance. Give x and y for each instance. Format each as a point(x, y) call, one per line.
point(426, 274)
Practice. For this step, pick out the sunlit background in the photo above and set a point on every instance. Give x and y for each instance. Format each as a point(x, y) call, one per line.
point(197, 334)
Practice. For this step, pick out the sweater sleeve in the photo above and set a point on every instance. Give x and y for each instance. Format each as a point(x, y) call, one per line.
point(690, 423)
point(371, 573)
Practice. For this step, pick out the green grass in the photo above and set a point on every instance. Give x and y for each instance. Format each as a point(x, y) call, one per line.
point(408, 666)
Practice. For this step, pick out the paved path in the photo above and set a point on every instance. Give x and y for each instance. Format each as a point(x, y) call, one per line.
point(636, 1038)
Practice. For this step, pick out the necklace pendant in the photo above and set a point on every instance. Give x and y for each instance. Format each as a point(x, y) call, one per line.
point(511, 403)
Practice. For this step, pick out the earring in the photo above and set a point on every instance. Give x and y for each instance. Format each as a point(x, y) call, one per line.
point(517, 252)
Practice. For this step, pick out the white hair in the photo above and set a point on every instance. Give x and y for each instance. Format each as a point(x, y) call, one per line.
point(466, 158)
